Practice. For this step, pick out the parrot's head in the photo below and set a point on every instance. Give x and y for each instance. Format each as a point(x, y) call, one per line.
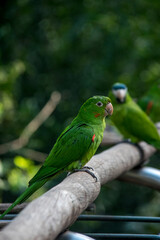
point(97, 107)
point(119, 91)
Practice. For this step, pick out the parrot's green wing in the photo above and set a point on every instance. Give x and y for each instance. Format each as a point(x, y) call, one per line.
point(138, 125)
point(72, 144)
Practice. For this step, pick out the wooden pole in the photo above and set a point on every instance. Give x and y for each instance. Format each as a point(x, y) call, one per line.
point(49, 215)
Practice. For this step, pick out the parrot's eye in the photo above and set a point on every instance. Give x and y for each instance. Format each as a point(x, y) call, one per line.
point(99, 104)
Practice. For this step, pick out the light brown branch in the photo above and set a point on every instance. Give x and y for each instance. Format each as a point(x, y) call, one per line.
point(53, 212)
point(33, 154)
point(33, 125)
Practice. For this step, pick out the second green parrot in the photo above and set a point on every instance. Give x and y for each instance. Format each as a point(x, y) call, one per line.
point(130, 119)
point(74, 147)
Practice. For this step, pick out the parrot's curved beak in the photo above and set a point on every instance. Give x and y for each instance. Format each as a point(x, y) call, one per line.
point(109, 109)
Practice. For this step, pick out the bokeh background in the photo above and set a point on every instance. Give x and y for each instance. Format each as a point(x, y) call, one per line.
point(79, 48)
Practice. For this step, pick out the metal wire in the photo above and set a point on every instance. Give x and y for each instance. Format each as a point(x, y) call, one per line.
point(86, 217)
point(9, 217)
point(121, 236)
point(118, 236)
point(118, 218)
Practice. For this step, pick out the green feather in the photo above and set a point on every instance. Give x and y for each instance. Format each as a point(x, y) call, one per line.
point(71, 152)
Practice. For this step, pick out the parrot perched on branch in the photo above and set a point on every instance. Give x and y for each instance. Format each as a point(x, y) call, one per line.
point(130, 119)
point(150, 103)
point(74, 147)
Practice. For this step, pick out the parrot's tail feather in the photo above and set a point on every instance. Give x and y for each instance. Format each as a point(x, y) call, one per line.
point(27, 193)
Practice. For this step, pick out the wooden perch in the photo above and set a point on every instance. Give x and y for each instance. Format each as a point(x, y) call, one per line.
point(49, 215)
point(33, 125)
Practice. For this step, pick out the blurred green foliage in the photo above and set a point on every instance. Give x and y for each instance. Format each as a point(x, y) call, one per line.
point(79, 48)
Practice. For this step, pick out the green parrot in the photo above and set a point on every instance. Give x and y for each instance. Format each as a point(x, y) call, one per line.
point(74, 147)
point(150, 103)
point(130, 119)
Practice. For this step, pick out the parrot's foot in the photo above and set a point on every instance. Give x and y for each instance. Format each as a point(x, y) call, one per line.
point(89, 168)
point(142, 156)
point(84, 169)
point(140, 149)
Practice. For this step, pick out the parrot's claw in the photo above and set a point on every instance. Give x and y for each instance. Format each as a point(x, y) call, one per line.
point(89, 168)
point(84, 169)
